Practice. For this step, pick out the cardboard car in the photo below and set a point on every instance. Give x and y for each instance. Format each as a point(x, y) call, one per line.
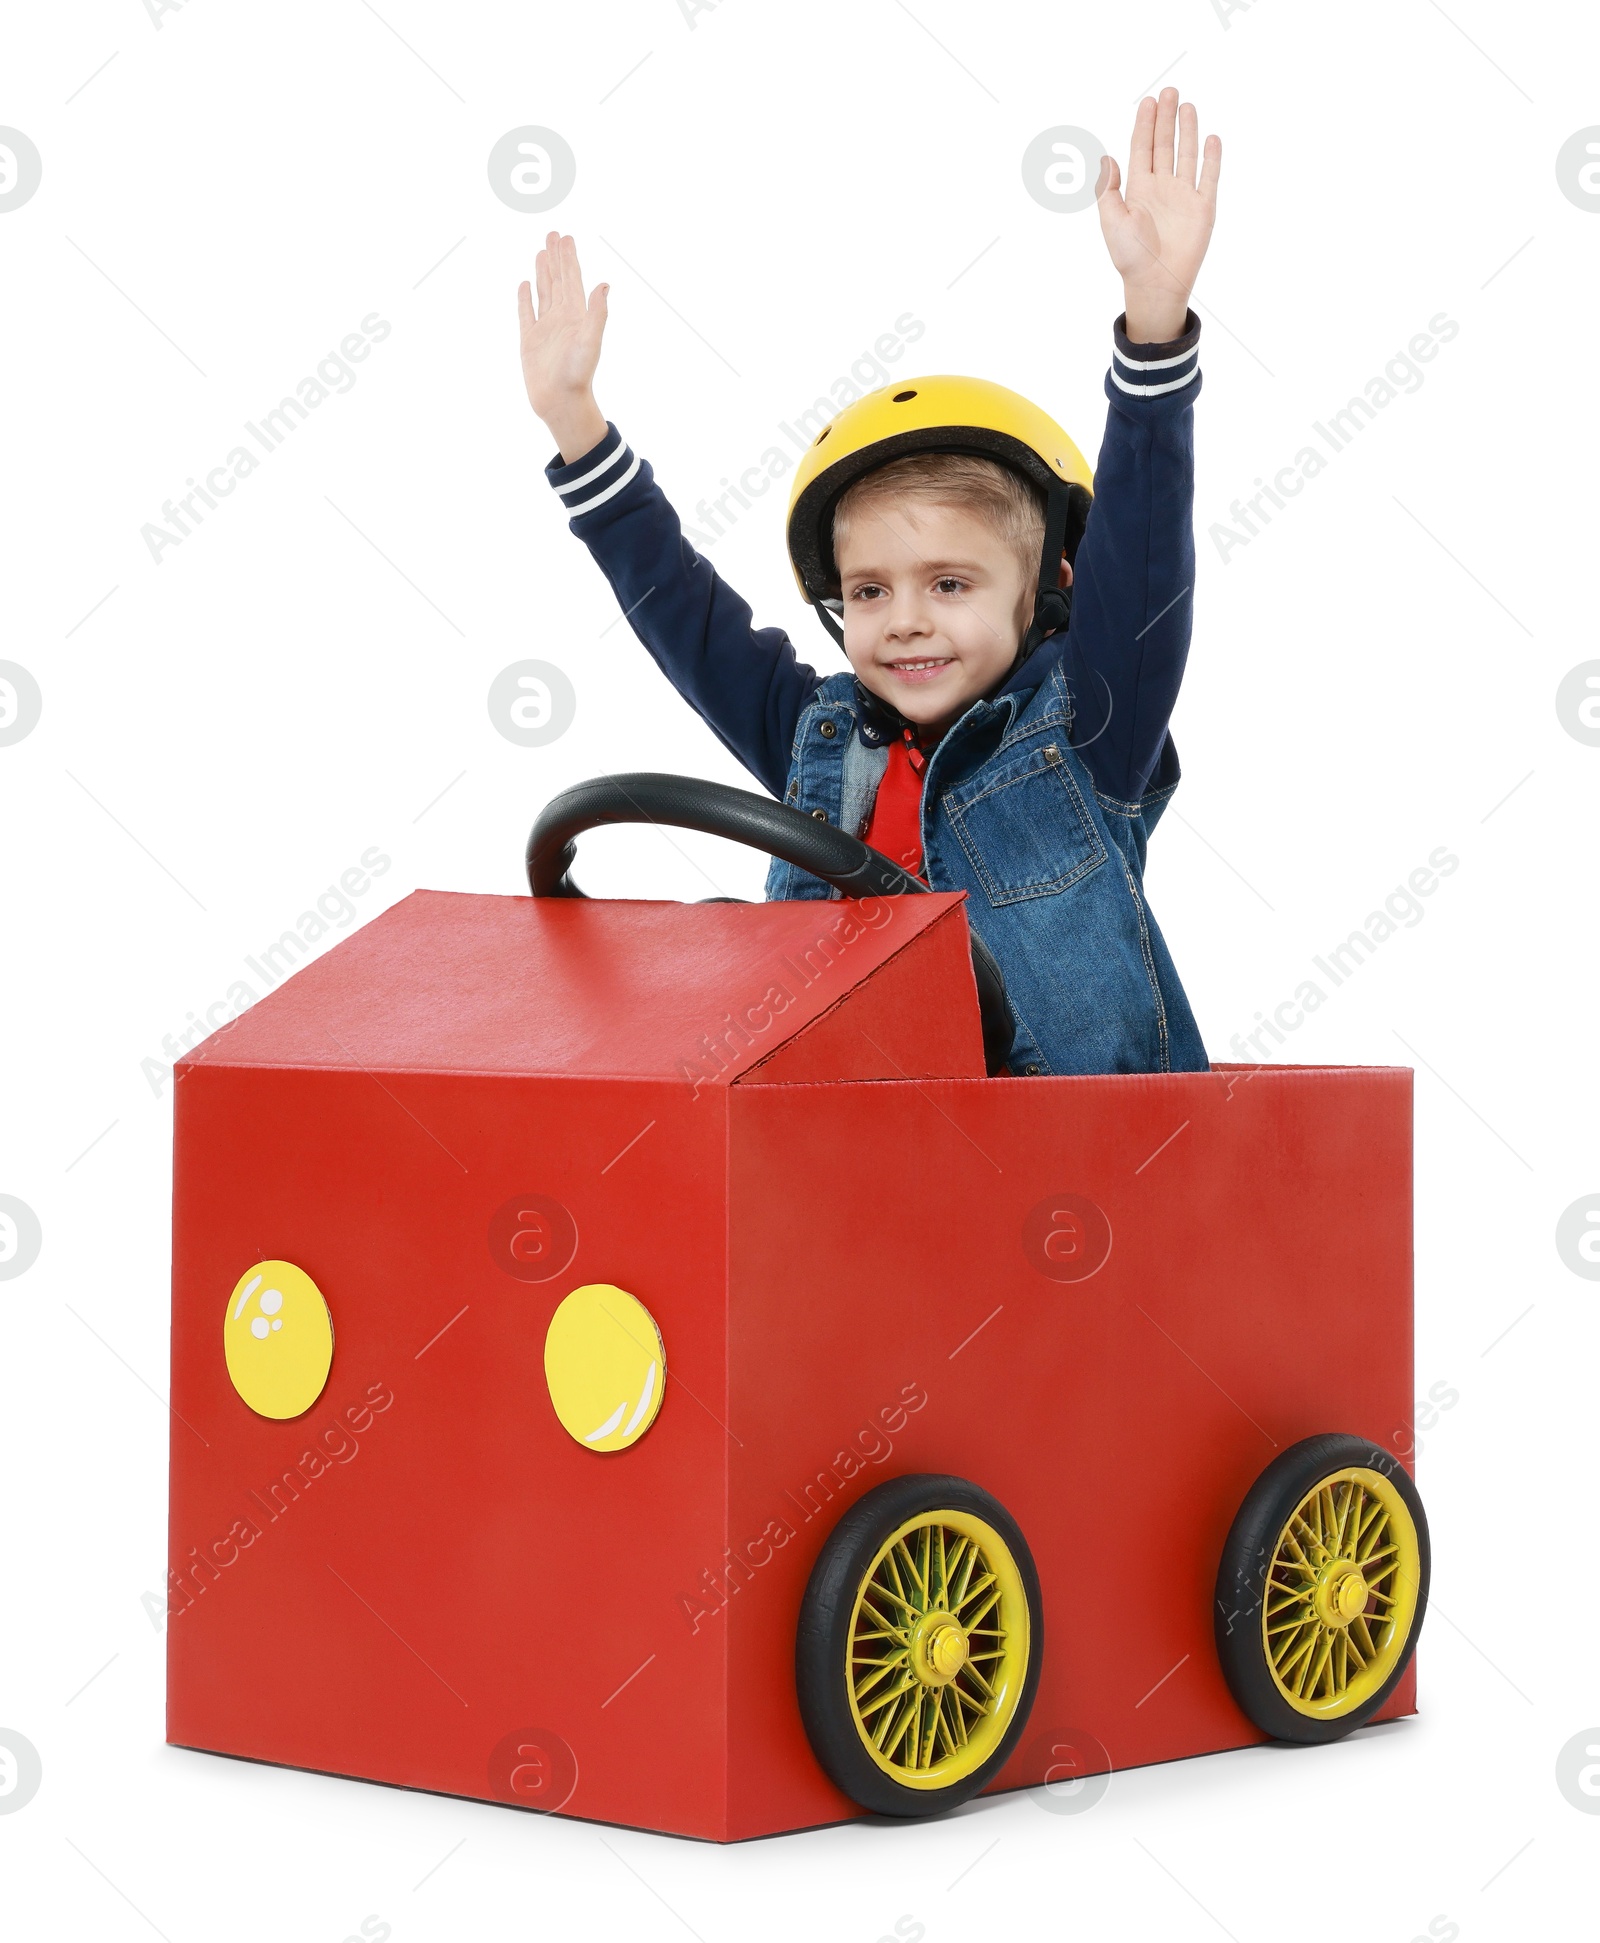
point(638, 1361)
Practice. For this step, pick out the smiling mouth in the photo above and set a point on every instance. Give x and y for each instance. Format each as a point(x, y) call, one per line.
point(924, 669)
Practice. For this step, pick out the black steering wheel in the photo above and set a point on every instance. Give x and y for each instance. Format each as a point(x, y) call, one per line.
point(839, 859)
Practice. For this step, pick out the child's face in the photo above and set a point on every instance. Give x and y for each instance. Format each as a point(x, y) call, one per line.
point(935, 604)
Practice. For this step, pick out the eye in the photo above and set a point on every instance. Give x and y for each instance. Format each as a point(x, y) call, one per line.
point(949, 583)
point(867, 590)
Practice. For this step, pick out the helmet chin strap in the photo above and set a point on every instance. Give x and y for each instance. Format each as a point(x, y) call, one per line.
point(829, 618)
point(1052, 608)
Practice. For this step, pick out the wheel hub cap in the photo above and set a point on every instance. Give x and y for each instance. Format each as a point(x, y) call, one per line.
point(1342, 1595)
point(940, 1650)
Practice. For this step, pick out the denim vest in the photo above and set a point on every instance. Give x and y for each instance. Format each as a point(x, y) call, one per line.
point(1053, 871)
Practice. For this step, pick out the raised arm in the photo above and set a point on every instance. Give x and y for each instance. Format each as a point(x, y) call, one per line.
point(1159, 229)
point(746, 683)
point(1129, 639)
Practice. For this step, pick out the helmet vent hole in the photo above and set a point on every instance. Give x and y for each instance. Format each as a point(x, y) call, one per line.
point(822, 435)
point(900, 397)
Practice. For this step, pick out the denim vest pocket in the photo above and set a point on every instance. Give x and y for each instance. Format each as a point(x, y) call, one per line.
point(1024, 825)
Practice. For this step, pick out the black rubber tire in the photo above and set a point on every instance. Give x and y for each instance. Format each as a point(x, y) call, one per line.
point(822, 1641)
point(1241, 1580)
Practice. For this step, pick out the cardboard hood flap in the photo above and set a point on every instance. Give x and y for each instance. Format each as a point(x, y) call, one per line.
point(454, 982)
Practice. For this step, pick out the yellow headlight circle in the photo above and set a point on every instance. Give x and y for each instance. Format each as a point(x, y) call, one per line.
point(605, 1366)
point(277, 1339)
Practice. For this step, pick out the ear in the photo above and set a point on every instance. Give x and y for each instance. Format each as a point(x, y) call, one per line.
point(1065, 577)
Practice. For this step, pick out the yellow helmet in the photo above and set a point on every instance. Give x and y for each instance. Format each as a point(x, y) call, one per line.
point(938, 414)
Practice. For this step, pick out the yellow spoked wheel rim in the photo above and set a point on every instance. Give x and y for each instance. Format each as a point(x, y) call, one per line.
point(1341, 1593)
point(938, 1648)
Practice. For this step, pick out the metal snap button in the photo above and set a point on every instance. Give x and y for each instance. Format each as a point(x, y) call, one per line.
point(820, 815)
point(829, 729)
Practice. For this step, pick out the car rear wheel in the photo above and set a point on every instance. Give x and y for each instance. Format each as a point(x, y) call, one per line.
point(1322, 1589)
point(919, 1645)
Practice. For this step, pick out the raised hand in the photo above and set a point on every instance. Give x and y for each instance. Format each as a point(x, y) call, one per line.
point(561, 347)
point(1157, 227)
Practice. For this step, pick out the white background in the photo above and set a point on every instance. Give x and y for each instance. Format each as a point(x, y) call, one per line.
point(1373, 676)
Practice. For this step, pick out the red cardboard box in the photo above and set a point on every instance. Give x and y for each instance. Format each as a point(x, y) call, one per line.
point(770, 1124)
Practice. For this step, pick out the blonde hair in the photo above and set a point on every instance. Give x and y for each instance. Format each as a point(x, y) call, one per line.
point(1008, 504)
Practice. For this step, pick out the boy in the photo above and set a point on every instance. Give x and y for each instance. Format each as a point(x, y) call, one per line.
point(1003, 729)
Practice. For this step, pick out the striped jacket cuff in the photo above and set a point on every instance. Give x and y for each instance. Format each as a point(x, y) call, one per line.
point(596, 477)
point(1153, 370)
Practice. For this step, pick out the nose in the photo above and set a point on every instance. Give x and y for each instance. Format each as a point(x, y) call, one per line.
point(907, 618)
